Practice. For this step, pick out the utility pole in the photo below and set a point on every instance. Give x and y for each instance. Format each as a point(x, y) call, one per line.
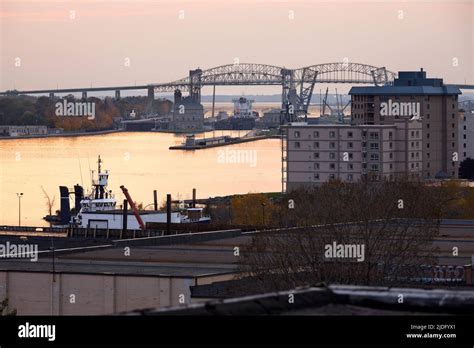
point(19, 195)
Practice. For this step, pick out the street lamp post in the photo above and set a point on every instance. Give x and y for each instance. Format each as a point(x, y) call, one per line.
point(19, 195)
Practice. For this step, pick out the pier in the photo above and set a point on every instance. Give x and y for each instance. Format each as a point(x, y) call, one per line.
point(191, 143)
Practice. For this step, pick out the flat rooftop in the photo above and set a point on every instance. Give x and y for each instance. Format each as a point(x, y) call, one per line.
point(187, 260)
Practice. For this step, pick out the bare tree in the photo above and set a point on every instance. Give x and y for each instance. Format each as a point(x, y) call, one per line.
point(49, 204)
point(392, 222)
point(4, 308)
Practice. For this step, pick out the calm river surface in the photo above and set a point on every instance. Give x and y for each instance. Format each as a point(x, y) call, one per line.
point(140, 161)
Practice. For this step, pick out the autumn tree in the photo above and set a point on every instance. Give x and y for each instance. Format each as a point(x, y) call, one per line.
point(252, 209)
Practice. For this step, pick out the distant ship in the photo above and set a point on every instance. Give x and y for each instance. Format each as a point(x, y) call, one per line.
point(243, 108)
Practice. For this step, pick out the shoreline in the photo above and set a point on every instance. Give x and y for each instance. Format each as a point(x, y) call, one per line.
point(63, 135)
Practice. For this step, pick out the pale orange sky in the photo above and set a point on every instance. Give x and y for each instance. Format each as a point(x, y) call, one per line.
point(91, 48)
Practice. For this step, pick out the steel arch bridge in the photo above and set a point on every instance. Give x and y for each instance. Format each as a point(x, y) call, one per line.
point(297, 84)
point(262, 74)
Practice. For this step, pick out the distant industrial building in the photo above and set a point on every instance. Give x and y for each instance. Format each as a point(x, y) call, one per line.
point(318, 153)
point(18, 131)
point(271, 119)
point(413, 95)
point(188, 113)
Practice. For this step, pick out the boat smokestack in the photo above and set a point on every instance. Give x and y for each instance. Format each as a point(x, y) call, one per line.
point(78, 196)
point(125, 216)
point(155, 200)
point(194, 198)
point(65, 214)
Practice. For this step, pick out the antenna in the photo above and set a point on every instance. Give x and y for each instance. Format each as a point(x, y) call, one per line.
point(90, 171)
point(98, 165)
point(80, 170)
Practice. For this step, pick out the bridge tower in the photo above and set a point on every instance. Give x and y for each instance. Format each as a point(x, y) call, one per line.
point(195, 84)
point(288, 97)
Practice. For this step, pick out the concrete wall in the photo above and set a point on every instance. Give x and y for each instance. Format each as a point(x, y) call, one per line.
point(35, 293)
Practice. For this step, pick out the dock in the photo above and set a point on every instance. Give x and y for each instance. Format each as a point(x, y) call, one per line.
point(196, 144)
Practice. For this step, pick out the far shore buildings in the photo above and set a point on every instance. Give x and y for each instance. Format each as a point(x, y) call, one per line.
point(19, 131)
point(409, 128)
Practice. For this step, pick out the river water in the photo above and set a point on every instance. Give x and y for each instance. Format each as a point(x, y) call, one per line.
point(141, 161)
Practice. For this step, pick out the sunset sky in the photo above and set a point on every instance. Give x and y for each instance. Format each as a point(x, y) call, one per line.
point(88, 42)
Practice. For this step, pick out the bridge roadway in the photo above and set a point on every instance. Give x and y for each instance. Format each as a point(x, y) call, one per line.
point(249, 74)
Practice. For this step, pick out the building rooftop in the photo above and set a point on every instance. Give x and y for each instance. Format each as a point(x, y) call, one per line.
point(334, 300)
point(193, 259)
point(405, 90)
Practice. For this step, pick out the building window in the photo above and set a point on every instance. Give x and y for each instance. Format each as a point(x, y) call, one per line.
point(390, 135)
point(374, 167)
point(332, 145)
point(349, 177)
point(297, 145)
point(374, 146)
point(332, 166)
point(297, 134)
point(316, 155)
point(349, 134)
point(350, 166)
point(427, 145)
point(332, 155)
point(332, 176)
point(316, 165)
point(350, 145)
point(391, 155)
point(316, 145)
point(332, 134)
point(374, 156)
point(316, 134)
point(374, 136)
point(316, 176)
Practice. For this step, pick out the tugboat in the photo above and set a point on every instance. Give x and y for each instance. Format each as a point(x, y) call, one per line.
point(100, 199)
point(98, 209)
